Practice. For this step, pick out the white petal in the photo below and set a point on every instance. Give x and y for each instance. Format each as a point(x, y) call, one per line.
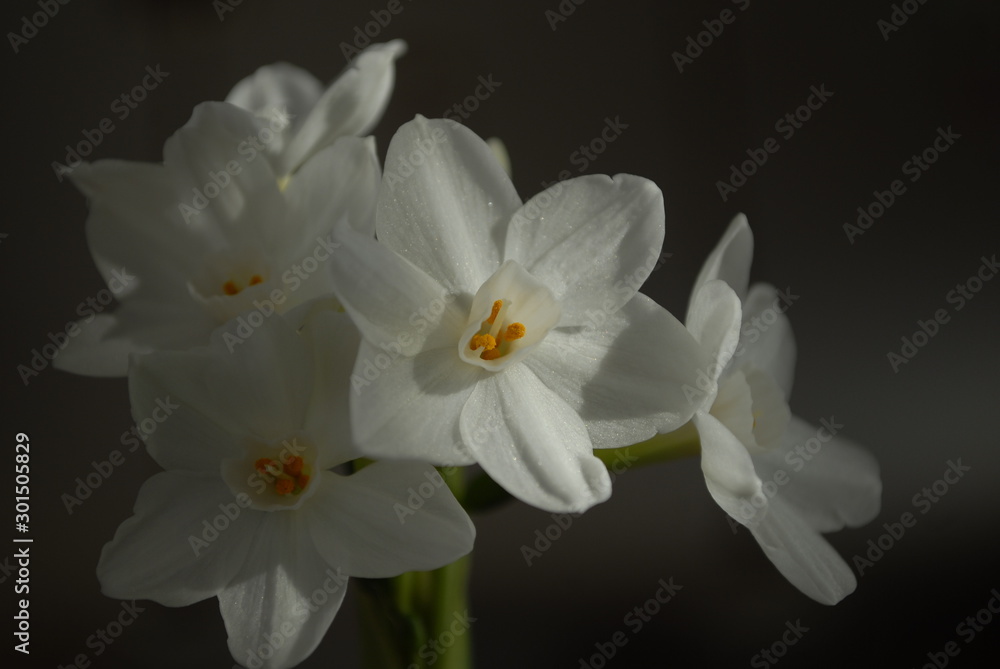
point(714, 319)
point(263, 384)
point(212, 154)
point(733, 407)
point(334, 343)
point(628, 377)
point(767, 340)
point(730, 259)
point(395, 304)
point(280, 88)
point(257, 389)
point(283, 591)
point(729, 472)
point(172, 550)
point(339, 183)
point(592, 240)
point(533, 444)
point(831, 481)
point(350, 107)
point(176, 413)
point(408, 408)
point(387, 519)
point(445, 202)
point(135, 225)
point(802, 555)
point(97, 351)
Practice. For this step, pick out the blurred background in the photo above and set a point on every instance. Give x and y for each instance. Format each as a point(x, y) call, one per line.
point(686, 113)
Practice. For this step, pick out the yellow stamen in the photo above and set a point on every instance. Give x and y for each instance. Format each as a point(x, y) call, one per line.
point(495, 332)
point(288, 479)
point(515, 331)
point(483, 341)
point(495, 311)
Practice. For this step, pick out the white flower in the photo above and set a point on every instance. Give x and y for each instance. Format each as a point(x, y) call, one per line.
point(350, 107)
point(211, 234)
point(248, 509)
point(781, 477)
point(510, 335)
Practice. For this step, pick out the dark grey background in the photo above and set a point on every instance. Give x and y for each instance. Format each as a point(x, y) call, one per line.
point(608, 59)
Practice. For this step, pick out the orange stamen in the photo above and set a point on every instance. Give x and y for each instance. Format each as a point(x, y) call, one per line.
point(483, 341)
point(284, 486)
point(491, 354)
point(255, 279)
point(229, 288)
point(515, 331)
point(294, 466)
point(496, 310)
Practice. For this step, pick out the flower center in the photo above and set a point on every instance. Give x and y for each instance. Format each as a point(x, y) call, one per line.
point(273, 476)
point(289, 476)
point(493, 337)
point(496, 337)
point(232, 287)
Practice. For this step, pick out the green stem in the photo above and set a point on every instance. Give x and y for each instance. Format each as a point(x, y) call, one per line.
point(409, 620)
point(451, 603)
point(681, 443)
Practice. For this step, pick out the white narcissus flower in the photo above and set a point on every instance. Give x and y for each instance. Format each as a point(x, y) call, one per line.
point(248, 509)
point(784, 479)
point(506, 334)
point(349, 107)
point(210, 234)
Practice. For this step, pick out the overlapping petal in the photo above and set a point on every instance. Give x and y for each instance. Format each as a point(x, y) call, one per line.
point(389, 518)
point(592, 240)
point(729, 471)
point(445, 202)
point(394, 303)
point(628, 376)
point(409, 407)
point(532, 443)
point(714, 319)
point(767, 341)
point(730, 259)
point(802, 556)
point(351, 106)
point(832, 482)
point(285, 590)
point(165, 552)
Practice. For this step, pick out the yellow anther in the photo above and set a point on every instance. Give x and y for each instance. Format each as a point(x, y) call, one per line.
point(491, 354)
point(483, 341)
point(515, 331)
point(290, 476)
point(496, 310)
point(230, 288)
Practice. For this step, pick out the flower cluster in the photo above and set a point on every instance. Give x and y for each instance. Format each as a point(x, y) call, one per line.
point(331, 331)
